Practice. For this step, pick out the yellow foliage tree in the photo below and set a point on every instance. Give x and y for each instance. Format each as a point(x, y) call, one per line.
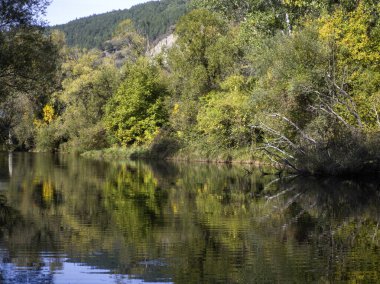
point(355, 43)
point(48, 112)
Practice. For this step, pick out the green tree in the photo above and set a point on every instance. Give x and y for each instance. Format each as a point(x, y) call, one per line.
point(205, 53)
point(354, 38)
point(28, 57)
point(225, 116)
point(126, 44)
point(197, 33)
point(135, 114)
point(14, 13)
point(236, 10)
point(318, 93)
point(89, 81)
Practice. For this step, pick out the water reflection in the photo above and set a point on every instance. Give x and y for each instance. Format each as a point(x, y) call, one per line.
point(65, 219)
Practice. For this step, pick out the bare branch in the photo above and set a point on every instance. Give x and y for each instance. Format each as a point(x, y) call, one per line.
point(377, 116)
point(352, 109)
point(303, 134)
point(281, 159)
point(268, 145)
point(331, 112)
point(276, 133)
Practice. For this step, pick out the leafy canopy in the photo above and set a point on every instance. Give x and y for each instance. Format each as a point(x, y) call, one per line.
point(135, 114)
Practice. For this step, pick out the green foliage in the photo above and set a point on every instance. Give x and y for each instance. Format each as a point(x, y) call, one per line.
point(15, 13)
point(91, 83)
point(28, 61)
point(73, 120)
point(135, 114)
point(126, 44)
point(28, 67)
point(205, 53)
point(46, 138)
point(354, 36)
point(296, 79)
point(235, 10)
point(274, 15)
point(197, 33)
point(225, 117)
point(290, 70)
point(28, 56)
point(17, 121)
point(316, 114)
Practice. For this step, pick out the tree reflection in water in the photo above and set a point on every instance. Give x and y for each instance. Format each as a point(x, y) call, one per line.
point(185, 223)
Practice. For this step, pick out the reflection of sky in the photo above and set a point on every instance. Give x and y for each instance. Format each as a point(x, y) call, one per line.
point(74, 273)
point(63, 11)
point(69, 273)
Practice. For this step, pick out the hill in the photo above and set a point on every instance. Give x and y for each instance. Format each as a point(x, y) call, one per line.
point(151, 19)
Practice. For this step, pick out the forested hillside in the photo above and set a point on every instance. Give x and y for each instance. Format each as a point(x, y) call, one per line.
point(151, 20)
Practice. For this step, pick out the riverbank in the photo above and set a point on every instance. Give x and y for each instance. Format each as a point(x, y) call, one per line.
point(236, 156)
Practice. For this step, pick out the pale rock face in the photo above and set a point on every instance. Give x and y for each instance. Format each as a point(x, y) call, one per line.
point(164, 44)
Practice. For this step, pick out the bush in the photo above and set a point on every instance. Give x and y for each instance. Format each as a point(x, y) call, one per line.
point(46, 138)
point(225, 117)
point(91, 138)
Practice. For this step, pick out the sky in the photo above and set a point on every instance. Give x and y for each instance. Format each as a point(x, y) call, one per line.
point(63, 11)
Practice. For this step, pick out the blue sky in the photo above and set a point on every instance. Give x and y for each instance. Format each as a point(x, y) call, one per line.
point(63, 11)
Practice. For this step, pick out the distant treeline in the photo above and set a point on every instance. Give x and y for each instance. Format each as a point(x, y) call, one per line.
point(151, 20)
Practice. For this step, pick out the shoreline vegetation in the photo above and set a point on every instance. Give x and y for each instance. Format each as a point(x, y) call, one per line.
point(292, 83)
point(184, 155)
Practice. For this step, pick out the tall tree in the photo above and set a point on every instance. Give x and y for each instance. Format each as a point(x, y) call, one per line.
point(28, 64)
point(15, 13)
point(204, 55)
point(27, 54)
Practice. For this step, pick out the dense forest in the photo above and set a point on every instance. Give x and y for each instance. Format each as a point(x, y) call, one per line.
point(295, 82)
point(152, 20)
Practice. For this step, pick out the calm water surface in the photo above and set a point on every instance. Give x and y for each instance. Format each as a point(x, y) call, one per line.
point(69, 220)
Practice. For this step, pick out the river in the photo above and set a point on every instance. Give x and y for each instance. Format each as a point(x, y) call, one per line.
point(64, 219)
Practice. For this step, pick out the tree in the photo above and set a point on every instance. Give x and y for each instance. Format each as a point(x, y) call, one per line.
point(319, 94)
point(354, 39)
point(225, 116)
point(126, 44)
point(28, 56)
point(235, 10)
point(28, 61)
point(135, 114)
point(272, 16)
point(89, 82)
point(15, 13)
point(204, 55)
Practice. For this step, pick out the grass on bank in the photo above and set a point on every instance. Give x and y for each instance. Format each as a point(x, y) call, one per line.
point(189, 153)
